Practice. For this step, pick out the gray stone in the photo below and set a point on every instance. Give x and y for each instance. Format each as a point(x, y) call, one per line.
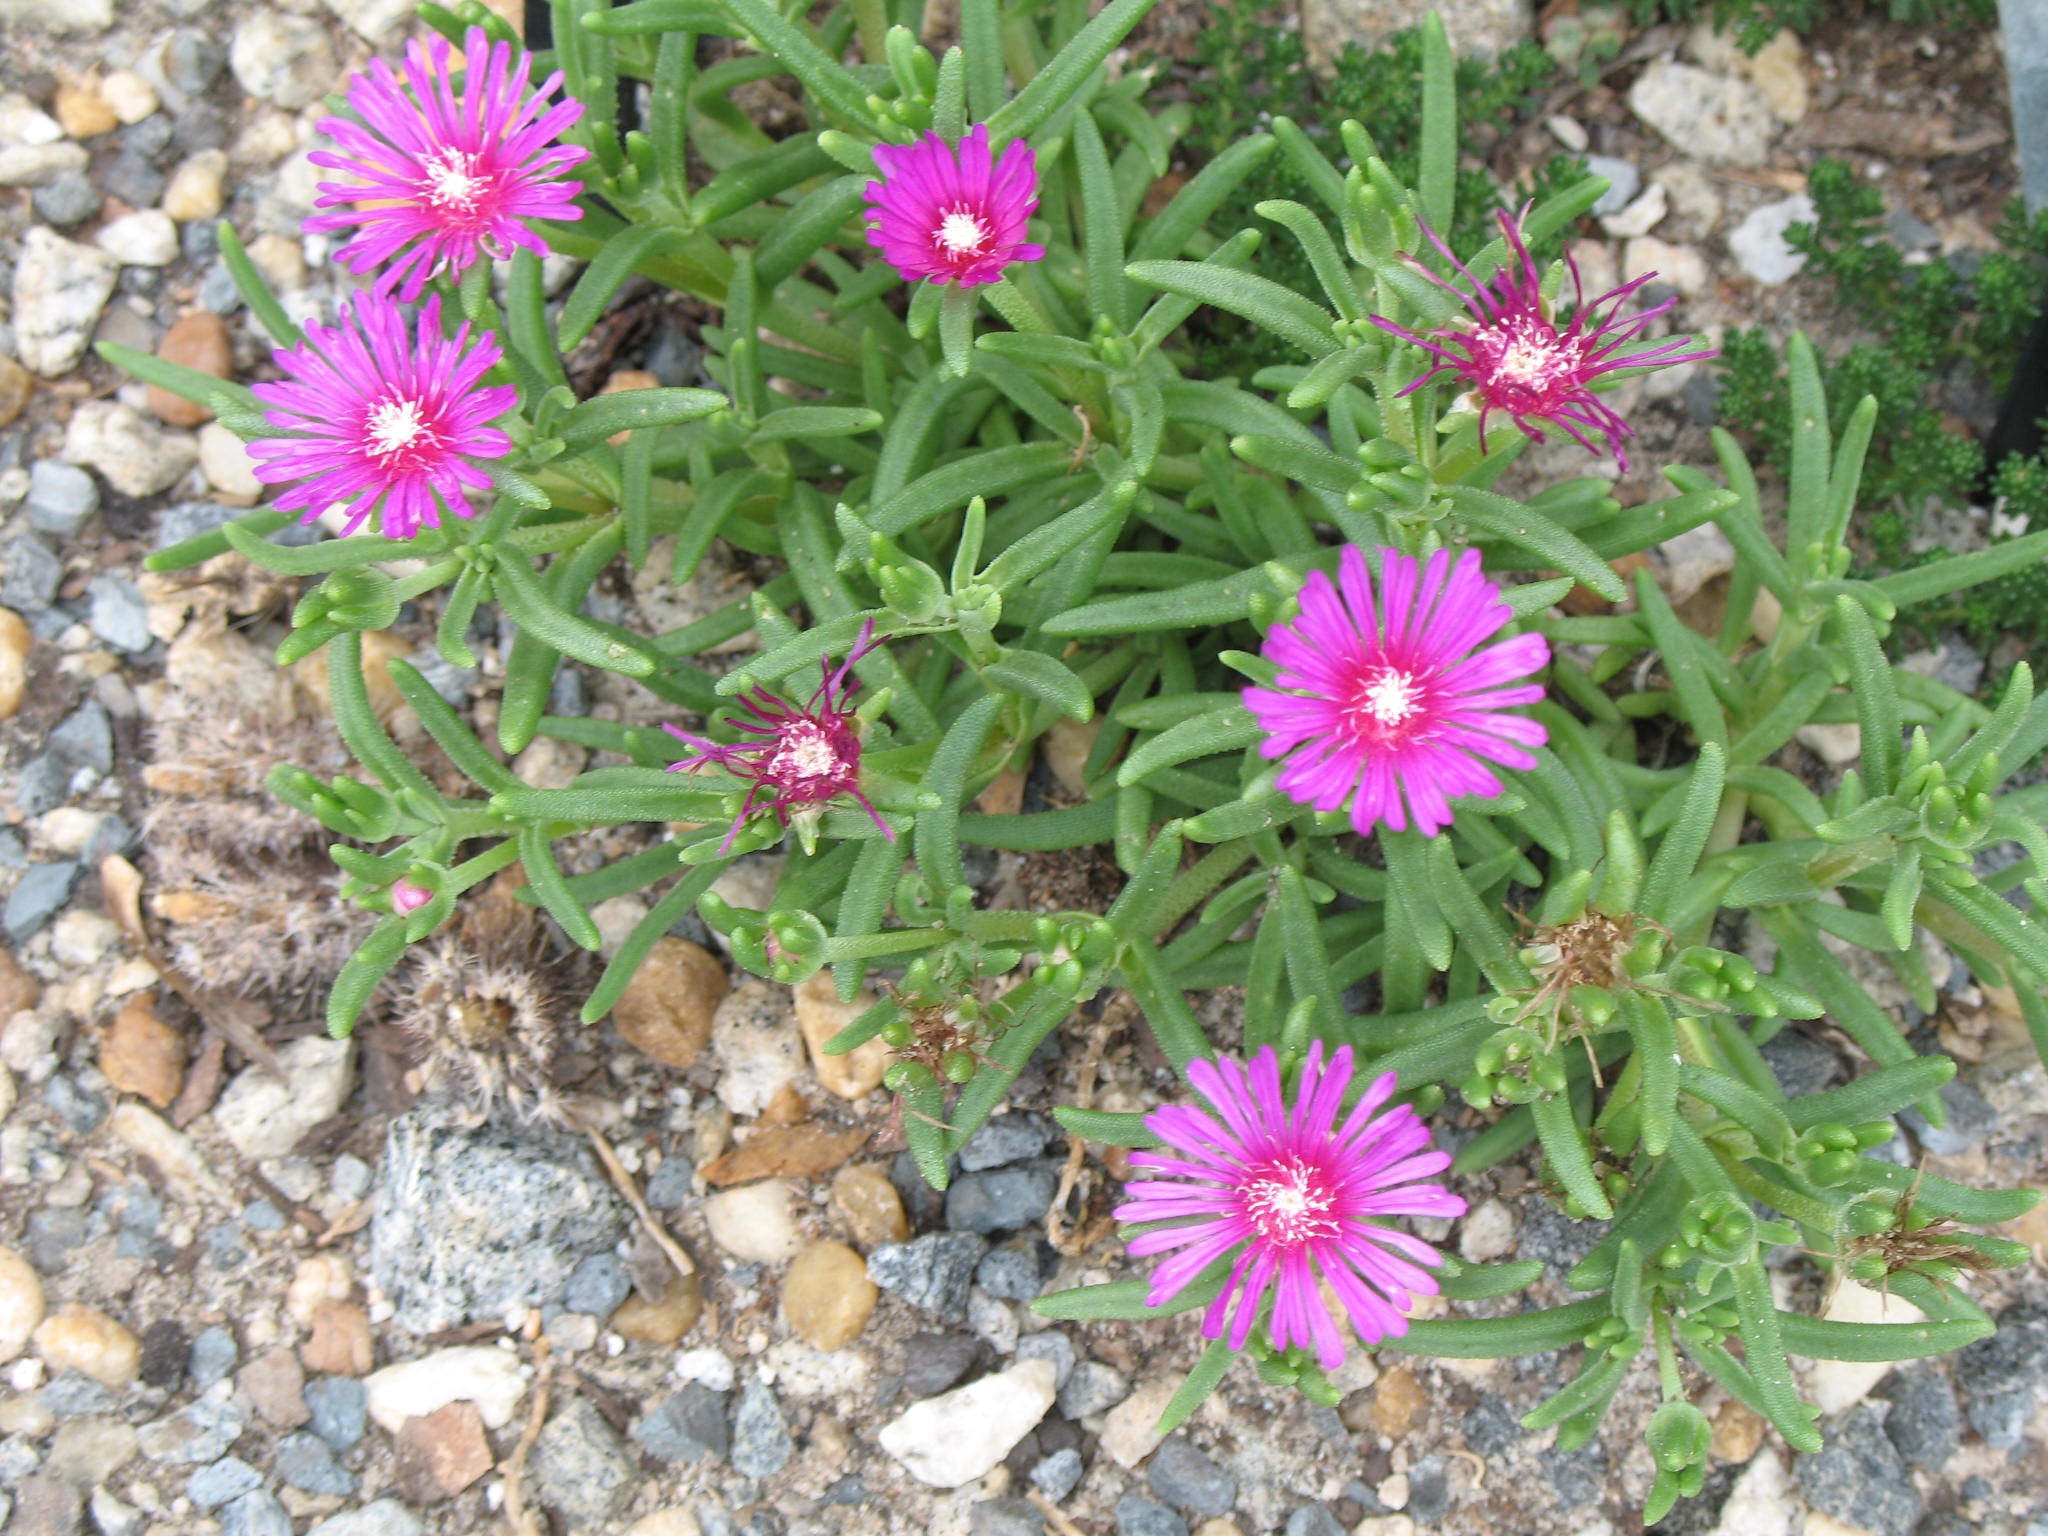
point(218, 292)
point(18, 1458)
point(120, 616)
point(1093, 1388)
point(38, 897)
point(1183, 1476)
point(932, 1362)
point(2004, 1376)
point(1137, 1516)
point(188, 519)
point(202, 1432)
point(54, 1231)
point(134, 180)
point(689, 1426)
point(1001, 1199)
point(670, 1188)
point(580, 1466)
point(1924, 1424)
point(1623, 182)
point(33, 573)
point(44, 785)
point(286, 60)
point(13, 852)
point(46, 1505)
point(1759, 243)
point(306, 1462)
point(59, 290)
point(567, 696)
point(86, 738)
point(1056, 1475)
point(193, 59)
point(214, 1354)
point(1702, 399)
point(1482, 27)
point(933, 1273)
point(1911, 233)
point(1802, 1063)
point(60, 497)
point(255, 1514)
point(1970, 1120)
point(385, 1517)
point(1050, 1345)
point(74, 1395)
point(473, 1218)
point(1005, 1517)
point(1314, 1520)
point(340, 1409)
point(1005, 1139)
point(1429, 1490)
point(226, 1479)
point(1011, 1272)
point(761, 1446)
point(68, 200)
point(452, 683)
point(597, 1286)
point(1857, 1476)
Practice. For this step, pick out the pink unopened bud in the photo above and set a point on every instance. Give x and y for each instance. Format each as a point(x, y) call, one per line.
point(408, 898)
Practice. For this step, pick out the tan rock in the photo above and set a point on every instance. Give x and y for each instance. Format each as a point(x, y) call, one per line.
point(131, 97)
point(78, 1338)
point(276, 1385)
point(820, 1014)
point(1397, 1399)
point(665, 1522)
point(827, 1296)
point(667, 1008)
point(1130, 1430)
point(16, 384)
point(627, 379)
point(664, 1321)
point(1738, 1431)
point(787, 1151)
point(84, 113)
point(195, 190)
point(1065, 748)
point(338, 1340)
point(441, 1453)
point(142, 1055)
point(199, 342)
point(280, 260)
point(15, 644)
point(867, 1203)
point(756, 1223)
point(21, 1303)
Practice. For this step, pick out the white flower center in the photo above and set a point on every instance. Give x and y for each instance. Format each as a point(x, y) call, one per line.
point(1391, 697)
point(806, 751)
point(962, 233)
point(396, 425)
point(1532, 357)
point(813, 755)
point(1289, 1203)
point(452, 181)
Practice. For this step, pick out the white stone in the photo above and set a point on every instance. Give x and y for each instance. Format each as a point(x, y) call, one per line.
point(993, 1320)
point(60, 15)
point(37, 165)
point(1759, 245)
point(225, 461)
point(1694, 197)
point(1679, 265)
point(756, 1223)
point(266, 1118)
point(283, 59)
point(136, 454)
point(1130, 1430)
point(1778, 71)
point(59, 290)
point(1640, 216)
point(466, 1374)
point(1710, 117)
point(1694, 558)
point(712, 1367)
point(1834, 745)
point(132, 97)
point(757, 1045)
point(1759, 1504)
point(954, 1438)
point(145, 239)
point(82, 939)
point(22, 122)
point(21, 1303)
point(1384, 1525)
point(372, 20)
point(1487, 1233)
point(1838, 1384)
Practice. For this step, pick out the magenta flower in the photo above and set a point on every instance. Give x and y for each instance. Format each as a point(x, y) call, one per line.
point(1297, 1196)
point(804, 757)
point(953, 216)
point(1380, 704)
point(441, 175)
point(407, 898)
point(378, 413)
point(1514, 359)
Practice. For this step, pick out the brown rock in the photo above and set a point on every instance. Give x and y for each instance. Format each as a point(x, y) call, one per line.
point(198, 341)
point(441, 1453)
point(338, 1342)
point(865, 1200)
point(15, 644)
point(820, 1015)
point(1004, 795)
point(827, 1295)
point(623, 380)
point(664, 1321)
point(1582, 600)
point(1396, 1401)
point(77, 1338)
point(666, 1008)
point(277, 1386)
point(83, 114)
point(16, 384)
point(18, 989)
point(143, 1055)
point(1738, 1431)
point(789, 1151)
point(46, 1505)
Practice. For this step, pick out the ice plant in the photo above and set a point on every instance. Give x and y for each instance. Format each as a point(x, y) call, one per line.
point(1383, 702)
point(802, 757)
point(407, 898)
point(441, 174)
point(953, 214)
point(1294, 1195)
point(1515, 358)
point(377, 411)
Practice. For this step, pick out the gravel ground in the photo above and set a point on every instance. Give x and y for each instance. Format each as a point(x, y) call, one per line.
point(260, 1283)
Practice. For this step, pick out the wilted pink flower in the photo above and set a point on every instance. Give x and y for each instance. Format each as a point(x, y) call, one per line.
point(1297, 1195)
point(953, 216)
point(1380, 704)
point(441, 176)
point(378, 412)
point(407, 898)
point(805, 756)
point(1514, 359)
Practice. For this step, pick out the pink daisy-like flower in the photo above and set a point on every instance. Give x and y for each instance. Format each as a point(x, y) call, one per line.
point(953, 215)
point(1379, 703)
point(1297, 1195)
point(804, 757)
point(441, 175)
point(378, 412)
point(1514, 358)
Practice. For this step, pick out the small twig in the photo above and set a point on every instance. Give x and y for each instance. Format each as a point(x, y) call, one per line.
point(521, 1520)
point(1478, 1466)
point(624, 1183)
point(1053, 1514)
